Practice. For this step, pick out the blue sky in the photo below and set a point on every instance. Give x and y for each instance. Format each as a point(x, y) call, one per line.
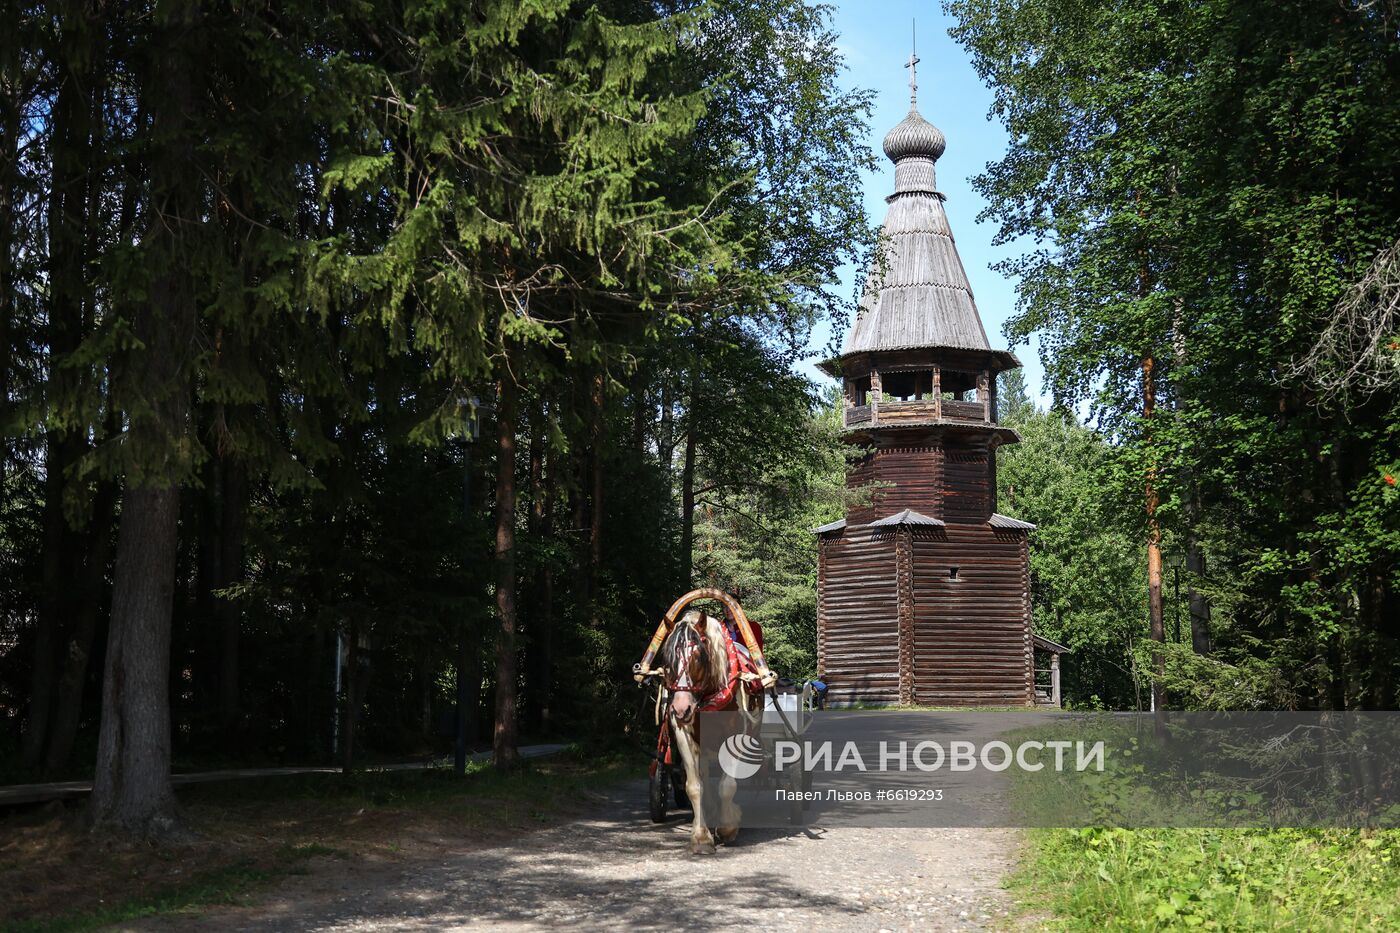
point(875, 37)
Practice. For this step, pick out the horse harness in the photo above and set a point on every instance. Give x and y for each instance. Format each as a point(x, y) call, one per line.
point(679, 682)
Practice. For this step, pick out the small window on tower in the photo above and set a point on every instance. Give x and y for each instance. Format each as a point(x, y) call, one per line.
point(952, 573)
point(860, 391)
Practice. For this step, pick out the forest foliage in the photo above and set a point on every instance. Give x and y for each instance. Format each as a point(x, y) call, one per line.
point(358, 358)
point(1208, 197)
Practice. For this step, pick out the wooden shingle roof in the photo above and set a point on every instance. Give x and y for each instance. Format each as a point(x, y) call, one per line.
point(917, 294)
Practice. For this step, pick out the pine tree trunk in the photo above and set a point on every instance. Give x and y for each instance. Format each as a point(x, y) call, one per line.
point(1197, 603)
point(9, 184)
point(578, 512)
point(536, 632)
point(469, 694)
point(232, 532)
point(595, 467)
point(546, 609)
point(70, 201)
point(505, 738)
point(91, 582)
point(132, 793)
point(319, 716)
point(425, 693)
point(350, 705)
point(207, 516)
point(78, 653)
point(687, 569)
point(1154, 563)
point(72, 686)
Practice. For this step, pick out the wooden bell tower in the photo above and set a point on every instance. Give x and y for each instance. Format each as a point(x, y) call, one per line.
point(924, 594)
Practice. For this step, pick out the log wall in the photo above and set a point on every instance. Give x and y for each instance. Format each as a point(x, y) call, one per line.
point(972, 638)
point(915, 475)
point(858, 617)
point(896, 626)
point(968, 491)
point(951, 480)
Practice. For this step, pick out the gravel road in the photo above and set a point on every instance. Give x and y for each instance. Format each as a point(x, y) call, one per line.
point(612, 869)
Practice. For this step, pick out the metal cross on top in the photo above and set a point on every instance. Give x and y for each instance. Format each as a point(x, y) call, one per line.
point(913, 79)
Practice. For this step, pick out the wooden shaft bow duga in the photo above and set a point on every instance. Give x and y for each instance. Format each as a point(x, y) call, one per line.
point(642, 669)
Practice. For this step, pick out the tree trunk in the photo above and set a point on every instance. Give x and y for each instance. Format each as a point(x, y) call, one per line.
point(469, 691)
point(10, 105)
point(545, 645)
point(595, 466)
point(350, 704)
point(688, 491)
point(78, 653)
point(1197, 602)
point(93, 591)
point(132, 792)
point(641, 413)
point(69, 204)
point(311, 691)
point(536, 634)
point(1154, 562)
point(504, 740)
point(543, 479)
point(232, 532)
point(206, 519)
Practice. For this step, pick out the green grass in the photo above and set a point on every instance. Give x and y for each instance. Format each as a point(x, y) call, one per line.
point(1167, 874)
point(1213, 879)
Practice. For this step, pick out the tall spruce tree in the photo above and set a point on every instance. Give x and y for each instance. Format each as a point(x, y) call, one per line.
point(1206, 181)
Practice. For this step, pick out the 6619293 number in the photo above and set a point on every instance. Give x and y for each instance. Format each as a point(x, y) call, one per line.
point(911, 793)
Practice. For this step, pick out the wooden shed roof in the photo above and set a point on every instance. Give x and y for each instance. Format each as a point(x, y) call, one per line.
point(1045, 644)
point(906, 517)
point(829, 526)
point(910, 517)
point(1006, 521)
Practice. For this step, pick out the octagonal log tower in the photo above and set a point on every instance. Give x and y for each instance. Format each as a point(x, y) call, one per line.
point(924, 592)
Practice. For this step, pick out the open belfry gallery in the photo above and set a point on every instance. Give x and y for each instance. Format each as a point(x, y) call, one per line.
point(924, 591)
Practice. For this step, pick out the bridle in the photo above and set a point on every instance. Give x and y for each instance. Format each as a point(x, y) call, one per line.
point(689, 642)
point(727, 679)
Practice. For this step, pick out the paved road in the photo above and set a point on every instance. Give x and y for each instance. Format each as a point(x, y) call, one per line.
point(612, 870)
point(13, 794)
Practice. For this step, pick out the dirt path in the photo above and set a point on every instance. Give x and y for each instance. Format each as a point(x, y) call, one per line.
point(612, 869)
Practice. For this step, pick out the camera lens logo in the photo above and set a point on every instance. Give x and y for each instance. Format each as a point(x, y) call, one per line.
point(741, 756)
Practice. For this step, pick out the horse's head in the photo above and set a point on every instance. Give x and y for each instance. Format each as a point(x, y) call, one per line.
point(694, 655)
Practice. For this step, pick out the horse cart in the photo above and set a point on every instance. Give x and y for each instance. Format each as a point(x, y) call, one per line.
point(772, 708)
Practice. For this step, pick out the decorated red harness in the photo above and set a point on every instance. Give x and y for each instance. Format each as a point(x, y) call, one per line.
point(740, 663)
point(743, 650)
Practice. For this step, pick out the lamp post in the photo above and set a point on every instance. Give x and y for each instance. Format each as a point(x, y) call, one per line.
point(466, 669)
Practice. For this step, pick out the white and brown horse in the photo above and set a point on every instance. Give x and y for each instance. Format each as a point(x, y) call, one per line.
point(700, 677)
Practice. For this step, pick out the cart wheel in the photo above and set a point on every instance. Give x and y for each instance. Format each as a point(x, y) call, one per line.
point(678, 791)
point(659, 779)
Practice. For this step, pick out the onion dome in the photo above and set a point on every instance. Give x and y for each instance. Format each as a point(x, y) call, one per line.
point(914, 137)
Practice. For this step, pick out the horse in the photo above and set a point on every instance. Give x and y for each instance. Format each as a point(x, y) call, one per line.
point(699, 679)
